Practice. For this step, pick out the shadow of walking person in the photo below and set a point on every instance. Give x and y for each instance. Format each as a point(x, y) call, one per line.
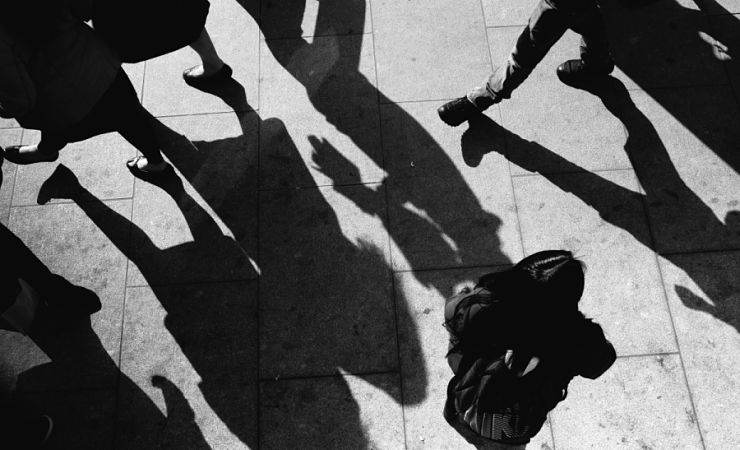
point(683, 46)
point(209, 308)
point(675, 212)
point(81, 387)
point(325, 288)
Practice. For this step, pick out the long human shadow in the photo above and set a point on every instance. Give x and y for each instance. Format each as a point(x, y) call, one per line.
point(206, 288)
point(81, 385)
point(329, 69)
point(685, 35)
point(673, 203)
point(333, 321)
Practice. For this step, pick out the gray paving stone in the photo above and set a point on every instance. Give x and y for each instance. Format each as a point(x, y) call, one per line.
point(661, 44)
point(332, 413)
point(201, 339)
point(7, 182)
point(8, 123)
point(685, 157)
point(623, 288)
point(325, 289)
point(203, 225)
point(99, 162)
point(236, 38)
point(423, 365)
point(726, 41)
point(135, 73)
point(312, 18)
point(721, 6)
point(73, 246)
point(430, 50)
point(640, 402)
point(703, 291)
point(570, 122)
point(304, 114)
point(443, 212)
point(83, 419)
point(503, 13)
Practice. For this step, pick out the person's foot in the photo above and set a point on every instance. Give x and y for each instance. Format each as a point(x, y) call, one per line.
point(61, 184)
point(202, 79)
point(457, 111)
point(575, 72)
point(67, 297)
point(153, 173)
point(29, 154)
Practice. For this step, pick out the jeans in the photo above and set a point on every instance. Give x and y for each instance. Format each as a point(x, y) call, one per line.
point(547, 24)
point(118, 110)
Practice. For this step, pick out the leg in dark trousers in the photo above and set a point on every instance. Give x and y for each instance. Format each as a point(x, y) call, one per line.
point(20, 262)
point(118, 110)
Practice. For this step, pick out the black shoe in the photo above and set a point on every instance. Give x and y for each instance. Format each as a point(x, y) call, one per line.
point(575, 72)
point(457, 111)
point(28, 154)
point(210, 82)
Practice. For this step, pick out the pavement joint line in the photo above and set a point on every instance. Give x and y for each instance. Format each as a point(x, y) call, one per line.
point(327, 376)
point(317, 186)
point(192, 283)
point(303, 37)
point(571, 172)
point(209, 113)
point(462, 267)
point(678, 347)
point(648, 355)
point(70, 202)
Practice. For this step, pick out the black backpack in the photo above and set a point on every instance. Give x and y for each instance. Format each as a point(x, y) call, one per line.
point(486, 400)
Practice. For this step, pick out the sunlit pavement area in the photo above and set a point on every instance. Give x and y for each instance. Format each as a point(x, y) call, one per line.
point(289, 293)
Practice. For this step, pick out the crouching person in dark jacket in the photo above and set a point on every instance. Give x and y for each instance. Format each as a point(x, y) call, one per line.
point(516, 341)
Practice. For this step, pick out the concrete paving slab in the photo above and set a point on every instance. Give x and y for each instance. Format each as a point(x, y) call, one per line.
point(8, 123)
point(720, 6)
point(702, 289)
point(7, 183)
point(662, 44)
point(325, 289)
point(193, 350)
point(424, 368)
point(135, 73)
point(685, 157)
point(235, 36)
point(332, 413)
point(313, 18)
point(623, 287)
point(505, 13)
point(99, 162)
point(438, 60)
point(202, 224)
point(568, 121)
point(305, 115)
point(449, 206)
point(82, 357)
point(726, 41)
point(640, 402)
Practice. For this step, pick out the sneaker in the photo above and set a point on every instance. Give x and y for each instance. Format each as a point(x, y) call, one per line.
point(575, 72)
point(457, 111)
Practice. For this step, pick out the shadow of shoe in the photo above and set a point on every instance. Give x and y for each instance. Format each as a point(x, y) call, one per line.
point(479, 139)
point(61, 184)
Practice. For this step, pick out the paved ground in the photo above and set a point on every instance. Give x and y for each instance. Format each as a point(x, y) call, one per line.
point(289, 294)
